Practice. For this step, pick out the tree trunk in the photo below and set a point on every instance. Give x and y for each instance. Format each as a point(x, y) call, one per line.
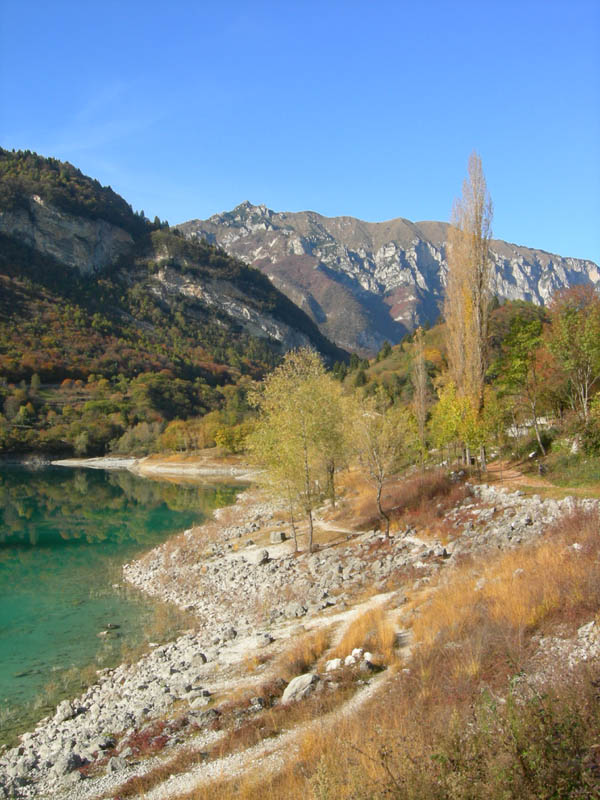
point(537, 431)
point(382, 512)
point(584, 395)
point(310, 531)
point(482, 458)
point(331, 482)
point(294, 531)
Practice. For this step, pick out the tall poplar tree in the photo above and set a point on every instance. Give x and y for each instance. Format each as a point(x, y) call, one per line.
point(419, 381)
point(468, 286)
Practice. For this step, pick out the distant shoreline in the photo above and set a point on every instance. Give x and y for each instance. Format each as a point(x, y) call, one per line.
point(165, 466)
point(102, 462)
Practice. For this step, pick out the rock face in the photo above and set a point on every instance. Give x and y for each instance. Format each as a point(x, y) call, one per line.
point(224, 298)
point(86, 244)
point(365, 282)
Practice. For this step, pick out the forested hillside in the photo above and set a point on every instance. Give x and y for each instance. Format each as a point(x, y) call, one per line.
point(111, 325)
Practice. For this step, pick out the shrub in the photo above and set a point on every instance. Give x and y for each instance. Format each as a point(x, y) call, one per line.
point(590, 438)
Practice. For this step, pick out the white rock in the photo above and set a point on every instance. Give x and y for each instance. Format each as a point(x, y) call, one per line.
point(257, 557)
point(300, 687)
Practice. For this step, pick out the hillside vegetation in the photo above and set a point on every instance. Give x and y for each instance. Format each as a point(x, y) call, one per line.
point(23, 174)
point(89, 358)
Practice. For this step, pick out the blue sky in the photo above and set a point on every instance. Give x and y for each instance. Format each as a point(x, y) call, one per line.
point(362, 108)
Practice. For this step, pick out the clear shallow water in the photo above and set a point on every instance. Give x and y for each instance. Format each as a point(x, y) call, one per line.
point(64, 535)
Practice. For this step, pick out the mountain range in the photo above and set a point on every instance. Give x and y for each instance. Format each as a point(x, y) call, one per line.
point(366, 282)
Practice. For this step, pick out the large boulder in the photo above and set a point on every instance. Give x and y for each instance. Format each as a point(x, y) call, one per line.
point(294, 610)
point(300, 687)
point(258, 557)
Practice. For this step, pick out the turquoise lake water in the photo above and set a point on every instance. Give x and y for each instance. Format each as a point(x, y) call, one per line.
point(64, 535)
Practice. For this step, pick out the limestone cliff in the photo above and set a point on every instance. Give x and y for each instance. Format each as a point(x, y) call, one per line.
point(89, 245)
point(222, 298)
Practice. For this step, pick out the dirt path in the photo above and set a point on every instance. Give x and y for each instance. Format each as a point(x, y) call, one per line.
point(504, 474)
point(271, 755)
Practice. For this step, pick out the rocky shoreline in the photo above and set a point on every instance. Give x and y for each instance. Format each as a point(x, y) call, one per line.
point(240, 577)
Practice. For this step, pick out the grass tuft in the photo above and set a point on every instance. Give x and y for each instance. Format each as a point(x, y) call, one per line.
point(373, 631)
point(304, 653)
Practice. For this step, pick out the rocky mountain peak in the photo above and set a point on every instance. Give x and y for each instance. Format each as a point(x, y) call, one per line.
point(365, 282)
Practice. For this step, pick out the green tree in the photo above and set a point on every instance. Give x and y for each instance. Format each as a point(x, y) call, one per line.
point(496, 416)
point(574, 339)
point(520, 367)
point(361, 378)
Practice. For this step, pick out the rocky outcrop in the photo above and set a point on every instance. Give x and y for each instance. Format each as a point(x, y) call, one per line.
point(224, 298)
point(300, 687)
point(88, 245)
point(365, 282)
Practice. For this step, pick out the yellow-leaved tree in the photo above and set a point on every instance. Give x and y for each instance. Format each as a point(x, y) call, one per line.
point(420, 390)
point(384, 439)
point(468, 288)
point(299, 437)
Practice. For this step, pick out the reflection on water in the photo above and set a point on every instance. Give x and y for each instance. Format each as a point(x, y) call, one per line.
point(64, 535)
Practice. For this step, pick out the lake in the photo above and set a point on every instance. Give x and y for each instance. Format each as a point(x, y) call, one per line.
point(64, 535)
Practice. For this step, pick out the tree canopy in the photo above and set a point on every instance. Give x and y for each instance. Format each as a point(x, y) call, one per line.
point(299, 431)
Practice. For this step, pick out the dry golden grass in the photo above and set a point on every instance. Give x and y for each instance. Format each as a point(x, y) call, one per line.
point(356, 502)
point(519, 590)
point(422, 498)
point(253, 661)
point(372, 630)
point(304, 653)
